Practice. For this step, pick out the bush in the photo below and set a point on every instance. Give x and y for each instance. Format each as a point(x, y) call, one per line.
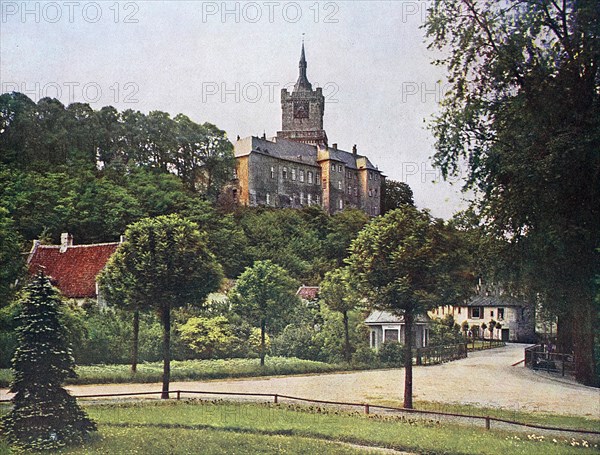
point(392, 353)
point(366, 356)
point(297, 341)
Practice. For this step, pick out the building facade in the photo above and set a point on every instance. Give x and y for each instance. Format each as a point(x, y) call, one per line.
point(298, 168)
point(516, 319)
point(386, 327)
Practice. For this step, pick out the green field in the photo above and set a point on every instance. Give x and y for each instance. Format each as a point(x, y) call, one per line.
point(193, 370)
point(223, 427)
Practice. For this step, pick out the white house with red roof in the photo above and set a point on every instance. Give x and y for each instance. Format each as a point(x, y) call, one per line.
point(73, 269)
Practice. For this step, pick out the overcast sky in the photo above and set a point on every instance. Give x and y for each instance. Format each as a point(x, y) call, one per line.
point(226, 62)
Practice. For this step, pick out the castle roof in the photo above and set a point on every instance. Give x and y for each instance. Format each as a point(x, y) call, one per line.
point(302, 84)
point(299, 152)
point(73, 270)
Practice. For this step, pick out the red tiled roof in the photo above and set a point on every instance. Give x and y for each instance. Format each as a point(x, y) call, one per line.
point(308, 292)
point(73, 271)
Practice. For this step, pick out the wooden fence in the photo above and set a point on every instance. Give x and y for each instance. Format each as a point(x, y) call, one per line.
point(537, 357)
point(433, 355)
point(480, 344)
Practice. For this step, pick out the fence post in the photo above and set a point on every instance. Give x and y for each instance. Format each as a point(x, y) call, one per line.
point(366, 408)
point(179, 395)
point(564, 359)
point(487, 422)
point(275, 399)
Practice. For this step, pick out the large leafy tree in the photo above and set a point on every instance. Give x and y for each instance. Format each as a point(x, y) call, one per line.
point(164, 263)
point(394, 195)
point(265, 295)
point(44, 415)
point(407, 263)
point(523, 113)
point(339, 295)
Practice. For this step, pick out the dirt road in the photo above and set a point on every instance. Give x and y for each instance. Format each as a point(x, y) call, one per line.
point(485, 378)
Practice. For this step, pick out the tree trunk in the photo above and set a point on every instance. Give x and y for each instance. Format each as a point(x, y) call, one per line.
point(408, 373)
point(135, 340)
point(564, 332)
point(262, 342)
point(586, 314)
point(166, 320)
point(347, 337)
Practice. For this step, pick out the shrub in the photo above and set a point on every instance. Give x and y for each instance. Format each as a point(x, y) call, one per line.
point(298, 341)
point(364, 355)
point(391, 353)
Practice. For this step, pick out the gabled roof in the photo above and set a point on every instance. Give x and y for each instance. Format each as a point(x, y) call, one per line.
point(308, 292)
point(385, 317)
point(493, 300)
point(72, 270)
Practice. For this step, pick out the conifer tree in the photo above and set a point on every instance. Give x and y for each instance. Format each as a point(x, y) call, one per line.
point(44, 415)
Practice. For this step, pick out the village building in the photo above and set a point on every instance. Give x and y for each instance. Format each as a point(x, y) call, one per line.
point(72, 269)
point(298, 168)
point(516, 319)
point(386, 327)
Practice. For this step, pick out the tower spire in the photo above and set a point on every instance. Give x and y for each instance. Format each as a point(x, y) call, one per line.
point(302, 83)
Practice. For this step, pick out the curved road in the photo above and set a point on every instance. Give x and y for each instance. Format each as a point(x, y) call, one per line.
point(485, 378)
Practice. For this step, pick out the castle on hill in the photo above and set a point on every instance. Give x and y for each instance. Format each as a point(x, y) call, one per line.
point(298, 168)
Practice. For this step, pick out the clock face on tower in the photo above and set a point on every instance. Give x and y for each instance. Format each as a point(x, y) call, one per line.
point(301, 109)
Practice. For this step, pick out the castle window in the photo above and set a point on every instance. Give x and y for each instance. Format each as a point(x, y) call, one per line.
point(500, 313)
point(317, 178)
point(375, 192)
point(235, 174)
point(310, 177)
point(324, 184)
point(340, 169)
point(370, 176)
point(341, 204)
point(272, 172)
point(318, 199)
point(309, 199)
point(284, 173)
point(301, 176)
point(268, 199)
point(356, 191)
point(349, 189)
point(333, 167)
point(301, 198)
point(370, 192)
point(293, 174)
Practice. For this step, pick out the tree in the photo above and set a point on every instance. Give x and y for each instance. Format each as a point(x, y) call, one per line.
point(491, 326)
point(523, 111)
point(264, 294)
point(407, 263)
point(338, 295)
point(12, 266)
point(164, 263)
point(395, 195)
point(499, 329)
point(44, 415)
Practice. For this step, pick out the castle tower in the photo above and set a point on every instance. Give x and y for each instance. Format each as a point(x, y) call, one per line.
point(302, 110)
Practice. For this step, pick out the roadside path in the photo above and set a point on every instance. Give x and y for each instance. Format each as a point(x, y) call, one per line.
point(485, 378)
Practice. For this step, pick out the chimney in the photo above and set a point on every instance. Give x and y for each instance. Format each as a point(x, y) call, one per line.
point(66, 240)
point(335, 146)
point(354, 150)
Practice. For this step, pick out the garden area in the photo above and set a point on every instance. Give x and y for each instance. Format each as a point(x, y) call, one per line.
point(185, 426)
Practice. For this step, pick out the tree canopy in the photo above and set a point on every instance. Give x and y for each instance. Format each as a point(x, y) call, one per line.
point(265, 295)
point(406, 262)
point(164, 263)
point(522, 111)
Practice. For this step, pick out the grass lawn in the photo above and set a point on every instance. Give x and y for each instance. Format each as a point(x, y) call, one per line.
point(242, 428)
point(192, 370)
point(551, 420)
